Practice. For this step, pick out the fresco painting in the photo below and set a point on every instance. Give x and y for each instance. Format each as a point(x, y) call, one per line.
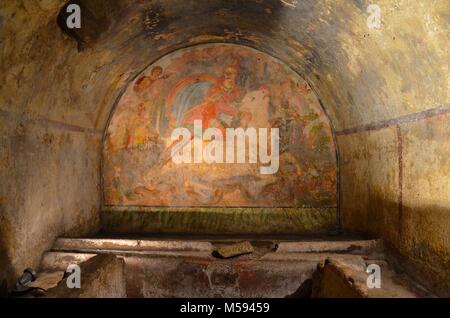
point(224, 86)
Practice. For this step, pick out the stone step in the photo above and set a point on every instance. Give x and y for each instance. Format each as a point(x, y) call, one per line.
point(353, 247)
point(98, 245)
point(59, 260)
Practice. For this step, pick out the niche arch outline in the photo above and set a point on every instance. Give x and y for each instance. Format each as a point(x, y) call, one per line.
point(193, 47)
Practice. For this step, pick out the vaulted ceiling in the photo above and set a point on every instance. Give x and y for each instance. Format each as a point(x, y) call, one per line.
point(362, 75)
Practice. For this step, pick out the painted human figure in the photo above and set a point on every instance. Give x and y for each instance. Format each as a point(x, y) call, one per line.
point(218, 101)
point(138, 132)
point(145, 82)
point(218, 107)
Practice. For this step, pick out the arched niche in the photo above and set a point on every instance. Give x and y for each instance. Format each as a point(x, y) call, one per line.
point(225, 86)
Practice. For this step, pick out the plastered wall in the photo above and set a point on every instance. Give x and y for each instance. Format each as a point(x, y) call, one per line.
point(395, 183)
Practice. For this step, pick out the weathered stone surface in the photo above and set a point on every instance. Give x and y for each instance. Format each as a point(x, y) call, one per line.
point(59, 261)
point(95, 244)
point(169, 273)
point(356, 247)
point(47, 280)
point(236, 249)
point(101, 277)
point(338, 279)
point(332, 280)
point(210, 277)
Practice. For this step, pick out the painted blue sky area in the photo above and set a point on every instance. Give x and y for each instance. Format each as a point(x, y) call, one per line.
point(188, 97)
